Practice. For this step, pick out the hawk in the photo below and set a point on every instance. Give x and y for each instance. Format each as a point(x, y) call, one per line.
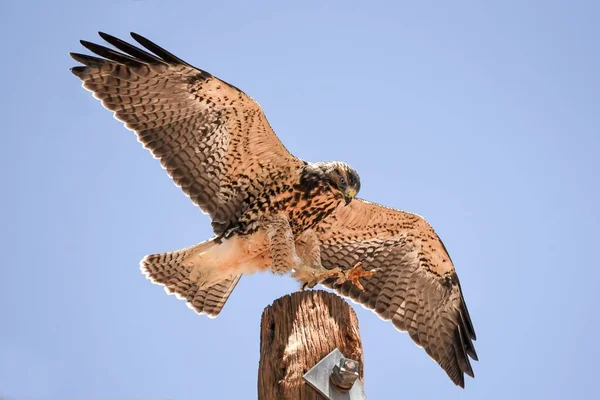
point(271, 210)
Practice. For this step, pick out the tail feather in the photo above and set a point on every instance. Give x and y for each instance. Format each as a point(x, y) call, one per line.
point(170, 270)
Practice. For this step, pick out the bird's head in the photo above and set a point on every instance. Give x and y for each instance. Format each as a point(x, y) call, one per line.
point(343, 178)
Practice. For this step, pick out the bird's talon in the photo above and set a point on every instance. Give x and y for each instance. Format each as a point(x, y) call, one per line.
point(357, 272)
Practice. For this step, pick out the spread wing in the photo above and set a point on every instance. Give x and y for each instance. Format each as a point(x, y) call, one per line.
point(213, 139)
point(416, 288)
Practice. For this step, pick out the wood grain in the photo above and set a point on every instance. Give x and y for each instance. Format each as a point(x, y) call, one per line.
point(297, 331)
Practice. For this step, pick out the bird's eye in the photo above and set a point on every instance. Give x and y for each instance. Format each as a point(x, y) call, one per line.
point(342, 181)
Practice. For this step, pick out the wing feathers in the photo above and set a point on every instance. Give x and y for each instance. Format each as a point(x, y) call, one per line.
point(79, 72)
point(87, 60)
point(465, 313)
point(110, 54)
point(159, 51)
point(206, 132)
point(131, 49)
point(416, 287)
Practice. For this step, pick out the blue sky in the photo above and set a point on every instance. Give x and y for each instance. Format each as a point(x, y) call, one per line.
point(483, 118)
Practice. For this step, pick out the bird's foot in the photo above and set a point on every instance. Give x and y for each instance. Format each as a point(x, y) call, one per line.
point(310, 277)
point(355, 273)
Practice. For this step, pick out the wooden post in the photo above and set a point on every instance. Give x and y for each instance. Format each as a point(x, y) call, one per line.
point(297, 331)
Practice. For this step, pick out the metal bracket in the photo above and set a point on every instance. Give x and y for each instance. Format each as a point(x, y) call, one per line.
point(336, 377)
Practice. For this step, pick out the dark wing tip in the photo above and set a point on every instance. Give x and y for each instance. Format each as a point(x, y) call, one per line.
point(130, 55)
point(111, 54)
point(469, 348)
point(464, 310)
point(79, 71)
point(105, 36)
point(159, 51)
point(472, 353)
point(131, 49)
point(463, 336)
point(87, 59)
point(137, 36)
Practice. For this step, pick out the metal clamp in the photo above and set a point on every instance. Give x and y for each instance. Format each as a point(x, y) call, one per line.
point(336, 377)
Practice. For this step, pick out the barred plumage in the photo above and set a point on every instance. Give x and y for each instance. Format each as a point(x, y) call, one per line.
point(271, 210)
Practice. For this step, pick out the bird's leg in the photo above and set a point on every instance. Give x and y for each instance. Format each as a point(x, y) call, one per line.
point(281, 245)
point(307, 268)
point(311, 271)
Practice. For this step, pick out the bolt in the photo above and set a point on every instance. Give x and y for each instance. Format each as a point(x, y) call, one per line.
point(344, 374)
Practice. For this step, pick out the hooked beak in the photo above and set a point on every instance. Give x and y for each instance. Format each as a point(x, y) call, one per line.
point(349, 195)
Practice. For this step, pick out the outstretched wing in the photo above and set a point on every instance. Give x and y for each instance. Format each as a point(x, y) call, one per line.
point(213, 139)
point(416, 287)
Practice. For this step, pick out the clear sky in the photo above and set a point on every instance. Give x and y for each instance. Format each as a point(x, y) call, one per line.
point(485, 119)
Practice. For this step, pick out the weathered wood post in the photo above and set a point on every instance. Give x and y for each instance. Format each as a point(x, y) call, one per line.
point(298, 331)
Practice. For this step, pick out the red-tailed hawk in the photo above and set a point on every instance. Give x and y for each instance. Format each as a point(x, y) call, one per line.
point(271, 210)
